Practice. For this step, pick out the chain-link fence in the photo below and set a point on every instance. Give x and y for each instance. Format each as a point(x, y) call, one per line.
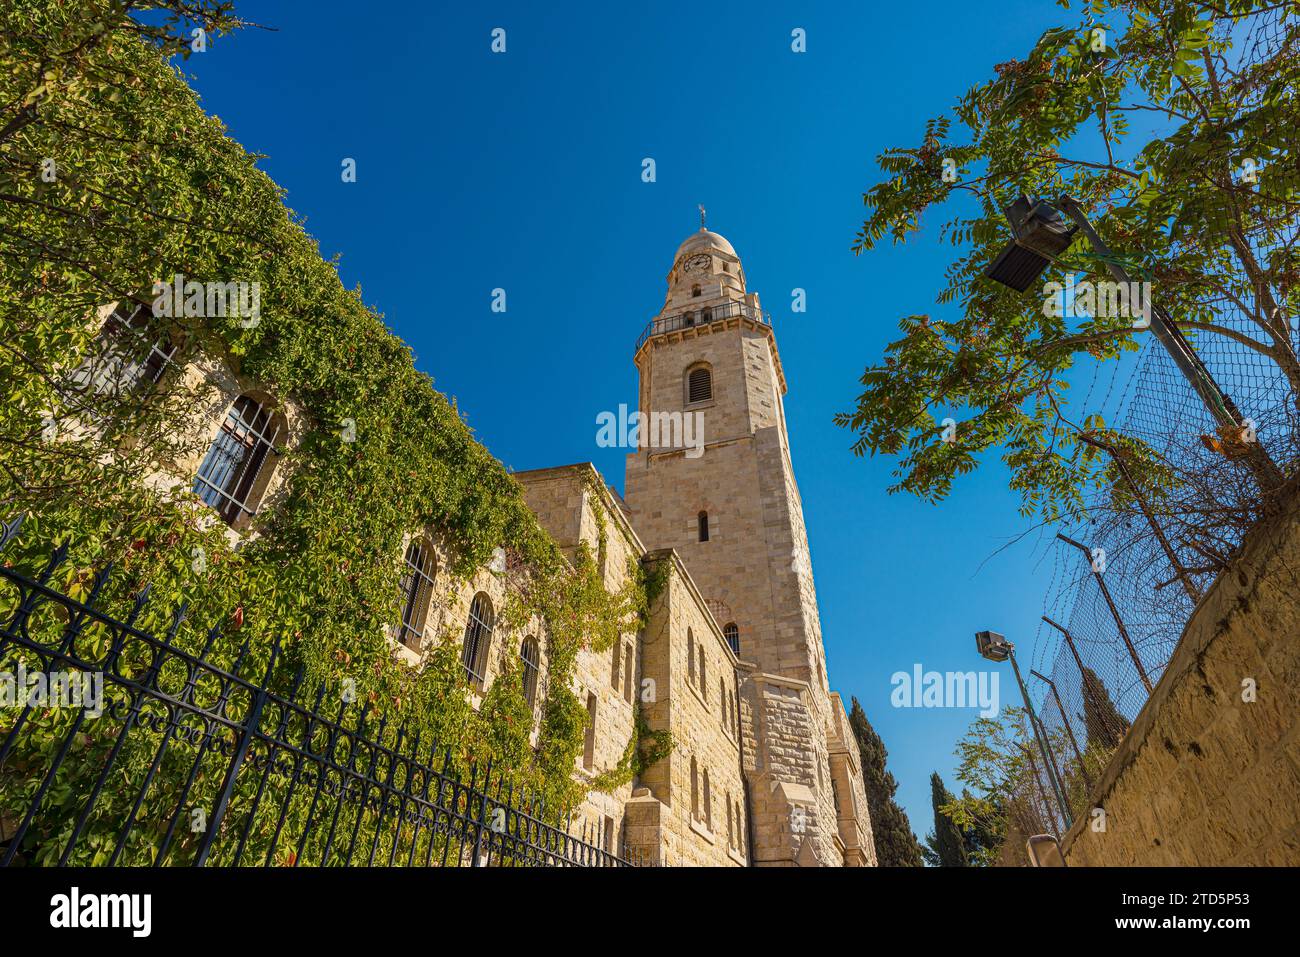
point(1126, 580)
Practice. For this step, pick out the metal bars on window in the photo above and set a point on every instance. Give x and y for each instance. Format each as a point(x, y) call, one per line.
point(417, 589)
point(230, 471)
point(478, 637)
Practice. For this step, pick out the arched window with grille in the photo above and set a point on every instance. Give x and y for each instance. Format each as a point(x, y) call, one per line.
point(702, 521)
point(531, 657)
point(699, 384)
point(478, 637)
point(240, 461)
point(132, 352)
point(417, 590)
point(732, 634)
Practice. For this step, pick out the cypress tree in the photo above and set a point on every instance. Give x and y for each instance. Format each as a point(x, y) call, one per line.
point(947, 844)
point(1106, 726)
point(896, 845)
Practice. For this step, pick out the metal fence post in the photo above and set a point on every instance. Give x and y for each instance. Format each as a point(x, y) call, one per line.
point(1110, 603)
point(246, 735)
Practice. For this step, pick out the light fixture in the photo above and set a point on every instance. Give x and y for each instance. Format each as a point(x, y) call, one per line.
point(1040, 233)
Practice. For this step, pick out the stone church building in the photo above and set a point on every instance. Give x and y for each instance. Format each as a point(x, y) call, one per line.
point(765, 770)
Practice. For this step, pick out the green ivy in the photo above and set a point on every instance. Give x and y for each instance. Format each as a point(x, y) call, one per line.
point(148, 186)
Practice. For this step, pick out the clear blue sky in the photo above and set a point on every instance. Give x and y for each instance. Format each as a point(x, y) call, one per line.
point(523, 171)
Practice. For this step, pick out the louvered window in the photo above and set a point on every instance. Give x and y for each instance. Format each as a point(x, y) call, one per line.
point(699, 385)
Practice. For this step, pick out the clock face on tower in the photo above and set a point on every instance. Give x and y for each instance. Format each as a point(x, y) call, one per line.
point(698, 263)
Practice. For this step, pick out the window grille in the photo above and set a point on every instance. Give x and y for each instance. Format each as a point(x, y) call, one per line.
point(732, 634)
point(530, 654)
point(130, 358)
point(228, 477)
point(478, 636)
point(417, 587)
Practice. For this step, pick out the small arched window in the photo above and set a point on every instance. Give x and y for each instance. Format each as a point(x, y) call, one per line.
point(531, 658)
point(688, 319)
point(708, 802)
point(690, 655)
point(699, 384)
point(417, 588)
point(706, 314)
point(695, 790)
point(240, 461)
point(731, 830)
point(702, 520)
point(695, 292)
point(704, 676)
point(732, 634)
point(478, 636)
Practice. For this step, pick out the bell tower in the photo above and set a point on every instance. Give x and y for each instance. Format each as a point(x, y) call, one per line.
point(734, 515)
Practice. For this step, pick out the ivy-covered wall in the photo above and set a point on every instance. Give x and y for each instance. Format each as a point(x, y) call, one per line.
point(145, 185)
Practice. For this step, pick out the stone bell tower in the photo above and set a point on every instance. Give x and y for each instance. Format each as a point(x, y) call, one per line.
point(734, 515)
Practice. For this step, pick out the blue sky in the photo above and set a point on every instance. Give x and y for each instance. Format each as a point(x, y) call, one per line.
point(523, 171)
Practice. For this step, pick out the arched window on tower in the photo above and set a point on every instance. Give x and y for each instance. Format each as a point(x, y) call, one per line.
point(708, 802)
point(695, 292)
point(235, 472)
point(417, 588)
point(732, 634)
point(690, 655)
point(695, 790)
point(478, 637)
point(531, 657)
point(699, 384)
point(702, 520)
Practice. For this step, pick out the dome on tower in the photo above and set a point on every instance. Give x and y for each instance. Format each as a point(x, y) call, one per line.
point(703, 240)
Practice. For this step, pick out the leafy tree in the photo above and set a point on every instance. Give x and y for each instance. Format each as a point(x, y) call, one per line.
point(1177, 205)
point(945, 846)
point(896, 845)
point(1000, 804)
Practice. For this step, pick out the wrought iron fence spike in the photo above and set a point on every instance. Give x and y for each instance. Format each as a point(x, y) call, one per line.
point(57, 558)
point(9, 530)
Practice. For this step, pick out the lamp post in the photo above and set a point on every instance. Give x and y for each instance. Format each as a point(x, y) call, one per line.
point(1040, 234)
point(995, 647)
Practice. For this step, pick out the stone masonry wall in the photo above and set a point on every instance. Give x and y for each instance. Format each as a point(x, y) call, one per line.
point(1207, 776)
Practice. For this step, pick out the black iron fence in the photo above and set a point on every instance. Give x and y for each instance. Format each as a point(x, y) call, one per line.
point(119, 747)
